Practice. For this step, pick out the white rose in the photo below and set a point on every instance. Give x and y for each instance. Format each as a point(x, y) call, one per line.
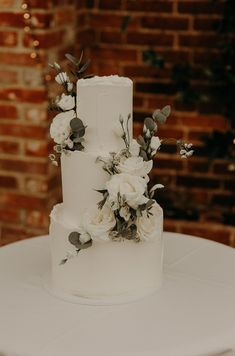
point(98, 222)
point(130, 188)
point(136, 166)
point(66, 102)
point(62, 78)
point(148, 226)
point(60, 127)
point(155, 143)
point(134, 148)
point(69, 86)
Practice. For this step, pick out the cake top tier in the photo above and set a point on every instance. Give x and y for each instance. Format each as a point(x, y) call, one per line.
point(105, 80)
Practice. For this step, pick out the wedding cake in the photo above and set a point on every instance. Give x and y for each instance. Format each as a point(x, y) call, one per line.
point(106, 236)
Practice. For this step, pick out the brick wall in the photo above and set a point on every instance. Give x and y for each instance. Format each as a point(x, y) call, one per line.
point(179, 31)
point(28, 182)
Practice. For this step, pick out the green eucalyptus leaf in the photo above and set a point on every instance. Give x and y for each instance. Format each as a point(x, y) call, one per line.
point(150, 124)
point(84, 66)
point(74, 239)
point(141, 141)
point(72, 59)
point(143, 154)
point(86, 245)
point(149, 203)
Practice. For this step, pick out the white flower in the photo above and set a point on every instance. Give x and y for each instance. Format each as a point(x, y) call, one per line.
point(62, 78)
point(136, 166)
point(155, 143)
point(130, 188)
point(60, 127)
point(66, 102)
point(148, 225)
point(98, 222)
point(69, 86)
point(134, 148)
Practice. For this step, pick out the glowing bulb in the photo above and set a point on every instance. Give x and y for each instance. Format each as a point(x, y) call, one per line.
point(234, 141)
point(26, 28)
point(24, 6)
point(33, 55)
point(36, 43)
point(26, 16)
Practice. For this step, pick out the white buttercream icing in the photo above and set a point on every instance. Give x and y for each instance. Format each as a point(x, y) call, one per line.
point(106, 80)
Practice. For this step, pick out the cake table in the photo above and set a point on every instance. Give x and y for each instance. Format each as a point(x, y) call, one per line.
point(192, 315)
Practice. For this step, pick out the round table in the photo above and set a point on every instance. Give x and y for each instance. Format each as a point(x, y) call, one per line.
point(193, 314)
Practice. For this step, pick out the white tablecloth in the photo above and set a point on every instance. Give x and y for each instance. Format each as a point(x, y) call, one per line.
point(192, 315)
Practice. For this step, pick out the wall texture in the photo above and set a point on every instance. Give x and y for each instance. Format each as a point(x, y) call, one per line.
point(198, 193)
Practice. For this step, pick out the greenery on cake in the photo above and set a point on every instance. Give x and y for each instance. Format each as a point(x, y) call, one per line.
point(67, 129)
point(127, 210)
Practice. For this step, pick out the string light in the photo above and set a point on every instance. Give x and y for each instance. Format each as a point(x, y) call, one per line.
point(29, 27)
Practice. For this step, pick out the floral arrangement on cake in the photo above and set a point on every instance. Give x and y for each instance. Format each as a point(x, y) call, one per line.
point(127, 209)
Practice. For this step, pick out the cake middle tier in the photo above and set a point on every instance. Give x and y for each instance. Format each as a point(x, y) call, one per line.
point(81, 178)
point(101, 101)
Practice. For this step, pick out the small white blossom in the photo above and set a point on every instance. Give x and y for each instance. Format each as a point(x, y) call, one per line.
point(66, 102)
point(155, 143)
point(69, 86)
point(62, 78)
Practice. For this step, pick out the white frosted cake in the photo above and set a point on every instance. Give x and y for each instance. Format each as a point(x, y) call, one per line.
point(106, 236)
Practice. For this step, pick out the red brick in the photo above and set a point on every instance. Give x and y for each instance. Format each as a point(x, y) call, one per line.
point(86, 36)
point(36, 115)
point(150, 5)
point(107, 68)
point(12, 19)
point(111, 37)
point(23, 95)
point(19, 59)
point(145, 71)
point(8, 77)
point(168, 163)
point(210, 121)
point(150, 39)
point(97, 20)
point(9, 147)
point(204, 56)
point(167, 132)
point(206, 24)
point(64, 16)
point(165, 23)
point(46, 40)
point(110, 4)
point(114, 54)
point(9, 215)
point(36, 186)
point(172, 56)
point(7, 3)
point(157, 101)
point(138, 101)
point(36, 132)
point(23, 201)
point(37, 219)
point(170, 225)
point(37, 149)
point(224, 200)
point(195, 165)
point(8, 38)
point(197, 182)
point(23, 166)
point(198, 41)
point(200, 7)
point(8, 112)
point(222, 167)
point(156, 87)
point(8, 182)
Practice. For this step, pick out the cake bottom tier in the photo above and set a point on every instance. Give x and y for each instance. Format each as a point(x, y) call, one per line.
point(112, 269)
